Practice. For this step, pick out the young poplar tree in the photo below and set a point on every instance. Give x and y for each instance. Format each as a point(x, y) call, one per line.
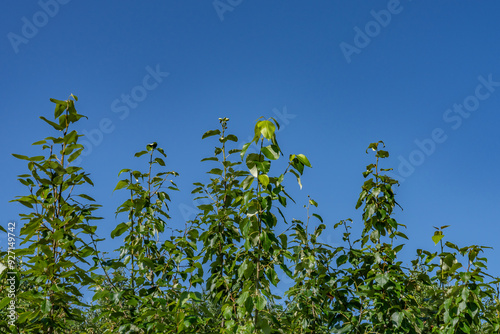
point(56, 230)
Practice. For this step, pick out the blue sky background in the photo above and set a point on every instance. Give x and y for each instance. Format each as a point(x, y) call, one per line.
point(282, 59)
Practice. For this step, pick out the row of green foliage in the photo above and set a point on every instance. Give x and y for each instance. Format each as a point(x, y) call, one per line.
point(218, 274)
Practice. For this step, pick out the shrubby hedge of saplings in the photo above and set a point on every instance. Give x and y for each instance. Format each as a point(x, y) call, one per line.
point(217, 275)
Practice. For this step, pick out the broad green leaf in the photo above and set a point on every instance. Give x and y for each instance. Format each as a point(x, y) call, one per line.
point(272, 276)
point(242, 269)
point(60, 107)
point(271, 152)
point(59, 110)
point(244, 149)
point(266, 128)
point(437, 237)
point(151, 146)
point(251, 161)
point(122, 184)
point(160, 161)
point(232, 138)
point(264, 179)
point(382, 154)
point(70, 137)
point(260, 302)
point(126, 170)
point(5, 301)
point(243, 298)
point(397, 318)
point(210, 133)
point(25, 316)
point(75, 155)
point(375, 236)
point(382, 279)
point(341, 260)
point(302, 158)
point(46, 306)
point(215, 171)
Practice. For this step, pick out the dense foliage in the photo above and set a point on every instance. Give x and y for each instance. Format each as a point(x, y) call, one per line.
point(220, 273)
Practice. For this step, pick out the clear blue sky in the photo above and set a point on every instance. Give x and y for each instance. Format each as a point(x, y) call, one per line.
point(424, 77)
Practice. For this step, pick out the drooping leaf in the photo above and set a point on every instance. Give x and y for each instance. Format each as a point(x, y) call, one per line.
point(54, 125)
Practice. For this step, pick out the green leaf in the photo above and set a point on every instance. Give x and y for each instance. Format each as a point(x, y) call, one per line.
point(382, 279)
point(210, 133)
point(247, 182)
point(437, 237)
point(251, 162)
point(54, 125)
point(59, 102)
point(215, 171)
point(5, 301)
point(210, 159)
point(242, 269)
point(70, 137)
point(318, 216)
point(46, 306)
point(25, 316)
point(266, 128)
point(298, 177)
point(59, 110)
point(75, 155)
point(244, 149)
point(138, 154)
point(264, 179)
point(86, 197)
point(60, 107)
point(397, 318)
point(119, 230)
point(243, 298)
point(382, 154)
point(260, 300)
point(124, 171)
point(341, 260)
point(232, 138)
point(160, 161)
point(122, 184)
point(22, 157)
point(271, 152)
point(375, 236)
point(40, 142)
point(302, 158)
point(272, 275)
point(151, 146)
